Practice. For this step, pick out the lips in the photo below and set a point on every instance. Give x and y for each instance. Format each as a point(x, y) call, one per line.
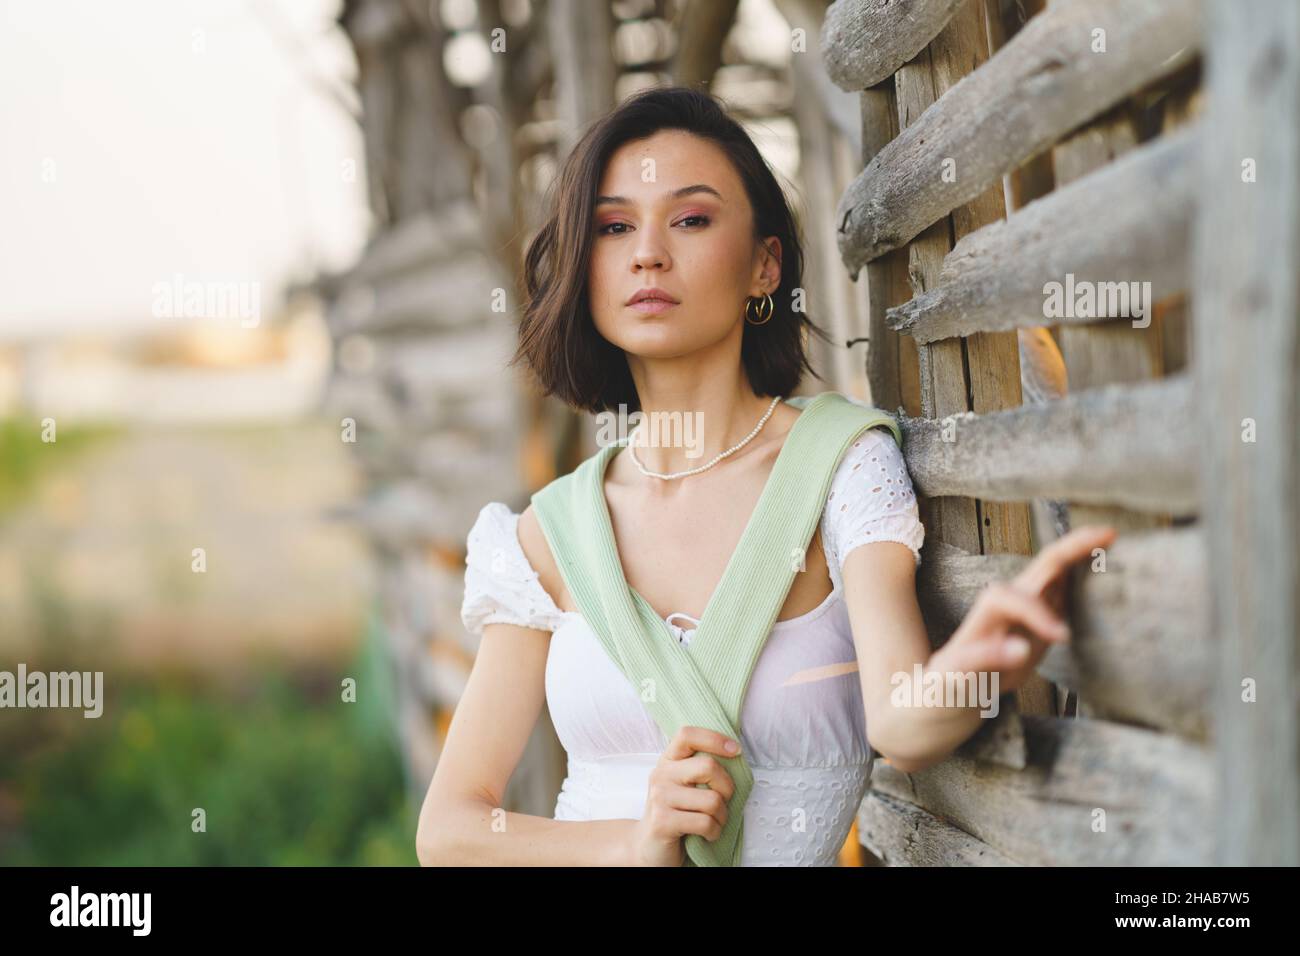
point(651, 301)
point(652, 295)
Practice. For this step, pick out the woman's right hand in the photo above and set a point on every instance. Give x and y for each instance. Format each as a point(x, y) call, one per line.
point(675, 806)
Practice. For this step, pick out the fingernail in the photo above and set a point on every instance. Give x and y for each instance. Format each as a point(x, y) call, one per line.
point(731, 747)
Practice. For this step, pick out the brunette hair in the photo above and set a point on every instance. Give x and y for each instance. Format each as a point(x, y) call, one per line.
point(557, 338)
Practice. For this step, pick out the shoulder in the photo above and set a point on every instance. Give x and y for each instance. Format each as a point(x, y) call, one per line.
point(501, 584)
point(871, 498)
point(537, 552)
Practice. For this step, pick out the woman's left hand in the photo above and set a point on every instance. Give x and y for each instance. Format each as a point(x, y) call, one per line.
point(1011, 624)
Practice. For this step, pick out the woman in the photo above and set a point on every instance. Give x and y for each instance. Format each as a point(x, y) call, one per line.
point(667, 280)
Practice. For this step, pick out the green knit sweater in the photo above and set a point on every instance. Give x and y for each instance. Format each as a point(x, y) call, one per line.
point(704, 683)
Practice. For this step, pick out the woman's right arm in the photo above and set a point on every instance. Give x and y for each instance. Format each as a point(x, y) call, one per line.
point(462, 822)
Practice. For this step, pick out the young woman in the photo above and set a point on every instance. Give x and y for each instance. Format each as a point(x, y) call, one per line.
point(667, 280)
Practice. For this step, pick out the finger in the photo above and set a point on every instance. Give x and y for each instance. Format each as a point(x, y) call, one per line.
point(1008, 606)
point(690, 739)
point(1056, 558)
point(704, 771)
point(701, 824)
point(983, 656)
point(699, 800)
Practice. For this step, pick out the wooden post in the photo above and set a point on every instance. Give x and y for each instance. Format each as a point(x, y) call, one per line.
point(980, 373)
point(1246, 358)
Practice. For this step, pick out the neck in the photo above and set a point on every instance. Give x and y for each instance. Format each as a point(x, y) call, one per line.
point(684, 428)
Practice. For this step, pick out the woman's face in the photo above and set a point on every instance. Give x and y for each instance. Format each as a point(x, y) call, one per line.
point(672, 214)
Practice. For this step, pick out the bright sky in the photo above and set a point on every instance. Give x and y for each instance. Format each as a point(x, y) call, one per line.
point(156, 137)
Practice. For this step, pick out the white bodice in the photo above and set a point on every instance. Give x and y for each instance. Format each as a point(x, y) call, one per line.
point(802, 723)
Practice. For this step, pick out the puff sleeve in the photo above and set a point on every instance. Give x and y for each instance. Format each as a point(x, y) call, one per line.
point(500, 584)
point(871, 499)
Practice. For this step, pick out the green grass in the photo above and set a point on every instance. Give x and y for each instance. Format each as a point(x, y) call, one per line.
point(286, 774)
point(24, 457)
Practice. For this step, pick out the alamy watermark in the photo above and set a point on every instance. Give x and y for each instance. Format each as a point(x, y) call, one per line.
point(1098, 300)
point(38, 689)
point(662, 429)
point(180, 299)
point(924, 688)
point(76, 908)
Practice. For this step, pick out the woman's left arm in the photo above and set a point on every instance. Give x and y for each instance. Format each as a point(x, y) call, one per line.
point(1006, 632)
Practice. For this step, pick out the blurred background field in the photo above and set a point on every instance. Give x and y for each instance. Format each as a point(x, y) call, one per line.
point(223, 689)
point(135, 431)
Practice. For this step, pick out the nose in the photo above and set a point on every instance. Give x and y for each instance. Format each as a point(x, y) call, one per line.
point(650, 252)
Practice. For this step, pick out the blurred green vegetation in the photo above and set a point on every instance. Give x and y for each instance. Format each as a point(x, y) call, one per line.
point(24, 456)
point(286, 771)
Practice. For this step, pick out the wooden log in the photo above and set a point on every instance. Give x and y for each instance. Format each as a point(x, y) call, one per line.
point(702, 26)
point(1094, 794)
point(1043, 83)
point(581, 33)
point(902, 834)
point(1133, 446)
point(1246, 360)
point(450, 293)
point(1141, 649)
point(1108, 352)
point(864, 41)
point(1000, 740)
point(428, 368)
point(995, 278)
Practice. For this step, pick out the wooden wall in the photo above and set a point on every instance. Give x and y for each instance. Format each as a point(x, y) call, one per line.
point(1008, 145)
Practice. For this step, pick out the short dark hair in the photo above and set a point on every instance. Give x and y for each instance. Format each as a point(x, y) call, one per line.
point(557, 338)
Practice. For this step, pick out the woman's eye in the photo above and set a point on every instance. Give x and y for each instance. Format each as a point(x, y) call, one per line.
point(700, 220)
point(605, 229)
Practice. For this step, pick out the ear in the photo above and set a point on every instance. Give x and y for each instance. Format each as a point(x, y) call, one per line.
point(768, 277)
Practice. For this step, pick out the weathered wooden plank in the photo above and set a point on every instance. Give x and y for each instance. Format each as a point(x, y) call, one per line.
point(1180, 108)
point(902, 834)
point(864, 41)
point(1133, 446)
point(1141, 648)
point(1043, 83)
point(982, 373)
point(1094, 794)
point(943, 375)
point(892, 364)
point(1246, 360)
point(996, 278)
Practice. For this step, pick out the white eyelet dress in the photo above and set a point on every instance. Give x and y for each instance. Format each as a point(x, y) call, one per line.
point(803, 726)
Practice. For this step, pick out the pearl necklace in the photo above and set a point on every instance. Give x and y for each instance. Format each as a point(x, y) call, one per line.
point(631, 447)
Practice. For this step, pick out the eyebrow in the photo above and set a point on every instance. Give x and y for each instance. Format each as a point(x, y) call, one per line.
point(675, 194)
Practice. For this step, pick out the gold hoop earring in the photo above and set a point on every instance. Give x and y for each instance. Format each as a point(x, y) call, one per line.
point(766, 305)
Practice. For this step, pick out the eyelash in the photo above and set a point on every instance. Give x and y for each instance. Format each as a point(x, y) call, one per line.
point(704, 221)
